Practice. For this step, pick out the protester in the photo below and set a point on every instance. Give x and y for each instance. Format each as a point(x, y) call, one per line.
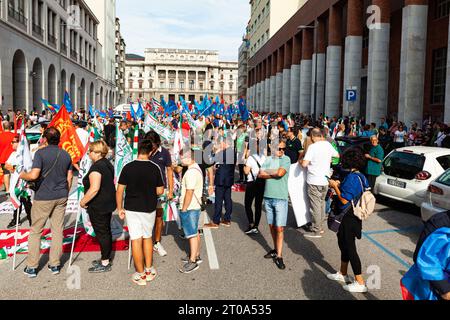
point(293, 145)
point(255, 186)
point(142, 182)
point(351, 189)
point(241, 141)
point(161, 157)
point(99, 200)
point(223, 181)
point(318, 160)
point(190, 204)
point(6, 149)
point(399, 137)
point(275, 171)
point(53, 167)
point(374, 162)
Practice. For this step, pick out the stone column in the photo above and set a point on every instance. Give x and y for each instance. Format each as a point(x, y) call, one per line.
point(263, 86)
point(353, 55)
point(334, 69)
point(295, 75)
point(306, 72)
point(279, 81)
point(267, 87)
point(258, 87)
point(412, 61)
point(273, 84)
point(378, 70)
point(319, 62)
point(287, 78)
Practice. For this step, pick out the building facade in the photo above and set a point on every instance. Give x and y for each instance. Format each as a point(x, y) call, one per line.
point(120, 65)
point(371, 58)
point(243, 67)
point(175, 73)
point(42, 56)
point(267, 17)
point(105, 11)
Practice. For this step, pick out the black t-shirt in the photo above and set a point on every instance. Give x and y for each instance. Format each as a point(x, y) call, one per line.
point(105, 200)
point(163, 159)
point(293, 147)
point(110, 134)
point(141, 179)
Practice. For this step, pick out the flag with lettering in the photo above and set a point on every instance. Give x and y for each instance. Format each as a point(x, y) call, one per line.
point(69, 137)
point(24, 163)
point(123, 152)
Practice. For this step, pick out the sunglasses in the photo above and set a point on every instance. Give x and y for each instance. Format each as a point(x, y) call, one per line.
point(281, 149)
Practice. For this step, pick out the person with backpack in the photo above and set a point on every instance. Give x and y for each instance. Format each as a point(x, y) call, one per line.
point(348, 193)
point(255, 186)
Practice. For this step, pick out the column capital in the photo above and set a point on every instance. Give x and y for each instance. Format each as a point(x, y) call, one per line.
point(416, 2)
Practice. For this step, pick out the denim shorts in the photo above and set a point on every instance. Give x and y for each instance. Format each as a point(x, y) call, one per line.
point(189, 222)
point(276, 211)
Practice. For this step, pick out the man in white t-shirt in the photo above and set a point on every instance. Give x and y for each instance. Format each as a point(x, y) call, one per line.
point(190, 202)
point(82, 134)
point(318, 161)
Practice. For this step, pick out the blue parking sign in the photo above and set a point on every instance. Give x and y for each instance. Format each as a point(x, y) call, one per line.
point(350, 95)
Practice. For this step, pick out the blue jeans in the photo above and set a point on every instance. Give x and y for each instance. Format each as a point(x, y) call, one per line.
point(189, 221)
point(223, 195)
point(276, 211)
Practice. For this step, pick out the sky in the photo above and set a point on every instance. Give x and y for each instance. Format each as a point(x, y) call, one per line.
point(184, 24)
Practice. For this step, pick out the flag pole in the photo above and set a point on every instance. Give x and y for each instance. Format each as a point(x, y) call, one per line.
point(74, 237)
point(15, 235)
point(129, 254)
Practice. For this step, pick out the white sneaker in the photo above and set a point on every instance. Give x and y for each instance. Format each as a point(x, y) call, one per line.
point(355, 287)
point(160, 249)
point(139, 279)
point(150, 274)
point(339, 277)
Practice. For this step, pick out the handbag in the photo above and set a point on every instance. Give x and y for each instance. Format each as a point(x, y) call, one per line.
point(35, 185)
point(337, 215)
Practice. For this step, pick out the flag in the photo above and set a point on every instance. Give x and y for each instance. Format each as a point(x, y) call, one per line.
point(123, 152)
point(92, 111)
point(189, 118)
point(70, 141)
point(151, 123)
point(24, 163)
point(178, 143)
point(54, 108)
point(85, 165)
point(67, 103)
point(133, 114)
point(243, 110)
point(136, 143)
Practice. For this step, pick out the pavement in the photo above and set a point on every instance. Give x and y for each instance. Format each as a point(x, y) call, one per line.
point(234, 267)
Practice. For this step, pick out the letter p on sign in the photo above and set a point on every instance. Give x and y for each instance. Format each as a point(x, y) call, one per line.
point(350, 95)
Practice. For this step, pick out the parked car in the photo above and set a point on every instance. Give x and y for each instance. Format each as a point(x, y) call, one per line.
point(437, 197)
point(345, 143)
point(407, 172)
point(34, 133)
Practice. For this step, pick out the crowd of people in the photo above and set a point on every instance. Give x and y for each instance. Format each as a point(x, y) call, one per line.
point(261, 149)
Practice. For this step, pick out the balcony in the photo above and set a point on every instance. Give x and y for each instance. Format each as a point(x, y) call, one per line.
point(73, 55)
point(38, 32)
point(63, 48)
point(52, 41)
point(17, 18)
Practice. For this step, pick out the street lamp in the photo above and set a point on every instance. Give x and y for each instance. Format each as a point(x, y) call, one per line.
point(303, 27)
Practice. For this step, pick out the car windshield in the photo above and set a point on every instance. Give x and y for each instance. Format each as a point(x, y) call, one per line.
point(403, 165)
point(444, 179)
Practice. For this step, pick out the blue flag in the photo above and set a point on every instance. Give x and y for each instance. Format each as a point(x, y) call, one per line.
point(140, 111)
point(92, 111)
point(67, 103)
point(133, 114)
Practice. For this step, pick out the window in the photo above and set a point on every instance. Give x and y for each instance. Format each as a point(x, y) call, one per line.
point(172, 85)
point(140, 74)
point(442, 8)
point(140, 84)
point(201, 86)
point(439, 76)
point(182, 57)
point(444, 161)
point(192, 85)
point(211, 85)
point(231, 77)
point(403, 165)
point(130, 84)
point(445, 178)
point(161, 84)
point(182, 85)
point(231, 86)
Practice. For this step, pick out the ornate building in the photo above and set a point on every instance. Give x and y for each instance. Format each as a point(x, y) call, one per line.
point(175, 73)
point(120, 65)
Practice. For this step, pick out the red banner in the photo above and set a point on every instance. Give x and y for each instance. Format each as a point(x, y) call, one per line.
point(70, 141)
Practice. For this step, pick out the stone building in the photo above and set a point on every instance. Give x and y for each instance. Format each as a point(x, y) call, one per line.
point(392, 54)
point(243, 67)
point(175, 73)
point(44, 53)
point(120, 65)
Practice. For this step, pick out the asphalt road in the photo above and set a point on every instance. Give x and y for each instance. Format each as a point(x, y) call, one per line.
point(240, 271)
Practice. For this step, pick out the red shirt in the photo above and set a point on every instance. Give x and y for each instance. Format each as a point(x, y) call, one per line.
point(6, 149)
point(186, 128)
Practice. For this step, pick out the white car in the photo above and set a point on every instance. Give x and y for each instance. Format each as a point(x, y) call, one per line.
point(437, 197)
point(407, 172)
